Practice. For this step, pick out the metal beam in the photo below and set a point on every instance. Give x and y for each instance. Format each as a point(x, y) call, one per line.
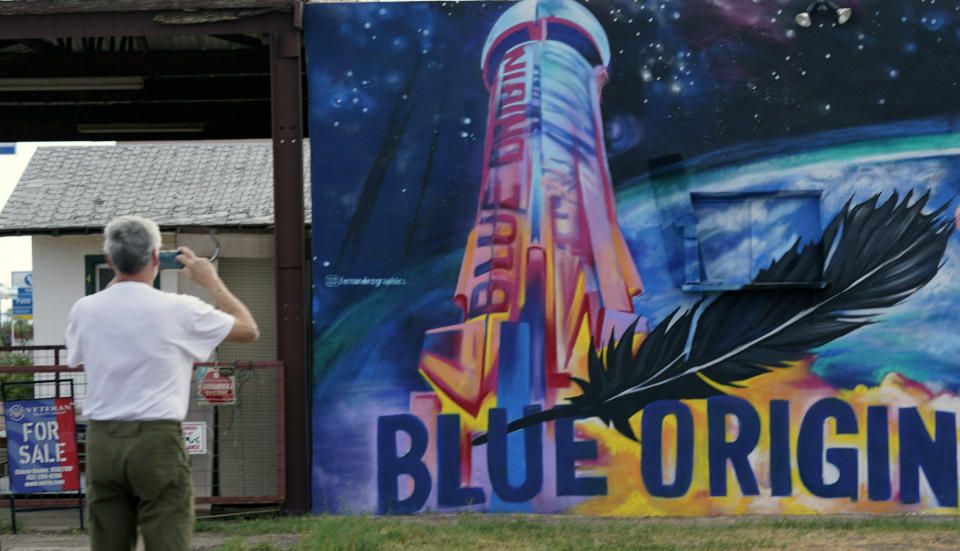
point(291, 280)
point(41, 46)
point(69, 131)
point(158, 91)
point(241, 39)
point(179, 64)
point(88, 6)
point(59, 25)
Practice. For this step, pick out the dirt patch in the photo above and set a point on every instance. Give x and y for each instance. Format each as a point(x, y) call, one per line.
point(80, 542)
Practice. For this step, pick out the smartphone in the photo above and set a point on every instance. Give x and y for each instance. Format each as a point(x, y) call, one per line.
point(167, 261)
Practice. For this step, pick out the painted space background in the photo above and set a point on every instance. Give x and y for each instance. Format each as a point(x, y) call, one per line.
point(728, 95)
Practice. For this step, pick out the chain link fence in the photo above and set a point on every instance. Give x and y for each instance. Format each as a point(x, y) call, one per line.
point(234, 427)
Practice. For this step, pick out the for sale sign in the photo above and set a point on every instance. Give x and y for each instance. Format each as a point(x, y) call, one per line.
point(215, 386)
point(42, 445)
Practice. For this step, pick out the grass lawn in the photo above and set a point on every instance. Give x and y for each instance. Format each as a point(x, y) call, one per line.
point(477, 532)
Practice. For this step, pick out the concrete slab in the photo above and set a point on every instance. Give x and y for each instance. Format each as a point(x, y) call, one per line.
point(60, 531)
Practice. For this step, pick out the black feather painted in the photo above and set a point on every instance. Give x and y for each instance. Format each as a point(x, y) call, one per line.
point(877, 255)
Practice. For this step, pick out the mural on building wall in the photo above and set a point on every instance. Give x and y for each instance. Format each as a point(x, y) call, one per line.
point(635, 257)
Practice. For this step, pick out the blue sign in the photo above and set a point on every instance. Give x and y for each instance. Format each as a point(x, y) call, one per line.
point(23, 304)
point(21, 279)
point(42, 445)
point(7, 148)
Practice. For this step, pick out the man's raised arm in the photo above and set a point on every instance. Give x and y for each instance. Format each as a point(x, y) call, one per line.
point(202, 272)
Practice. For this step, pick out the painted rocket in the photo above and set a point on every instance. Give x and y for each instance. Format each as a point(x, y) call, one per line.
point(545, 268)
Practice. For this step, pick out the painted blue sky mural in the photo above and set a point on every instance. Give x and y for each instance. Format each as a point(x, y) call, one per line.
point(723, 119)
point(732, 83)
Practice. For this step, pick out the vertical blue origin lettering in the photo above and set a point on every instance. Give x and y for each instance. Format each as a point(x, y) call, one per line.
point(569, 451)
point(390, 466)
point(878, 454)
point(651, 463)
point(497, 455)
point(810, 450)
point(937, 457)
point(781, 481)
point(720, 450)
point(449, 491)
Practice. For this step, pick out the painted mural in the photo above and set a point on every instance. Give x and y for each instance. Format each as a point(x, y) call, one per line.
point(635, 257)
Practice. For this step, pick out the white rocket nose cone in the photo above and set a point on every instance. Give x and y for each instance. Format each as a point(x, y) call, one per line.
point(538, 12)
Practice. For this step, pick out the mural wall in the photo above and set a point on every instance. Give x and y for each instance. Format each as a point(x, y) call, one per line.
point(674, 257)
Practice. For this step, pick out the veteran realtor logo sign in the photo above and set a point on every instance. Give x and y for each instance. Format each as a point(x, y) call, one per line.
point(42, 445)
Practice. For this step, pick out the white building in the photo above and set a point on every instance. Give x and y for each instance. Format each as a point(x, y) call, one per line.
point(65, 197)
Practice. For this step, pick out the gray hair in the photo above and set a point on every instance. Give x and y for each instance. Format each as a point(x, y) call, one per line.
point(128, 241)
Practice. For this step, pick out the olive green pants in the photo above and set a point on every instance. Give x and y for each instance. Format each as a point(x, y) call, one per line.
point(138, 472)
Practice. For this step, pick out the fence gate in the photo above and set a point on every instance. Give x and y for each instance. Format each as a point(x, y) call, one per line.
point(234, 427)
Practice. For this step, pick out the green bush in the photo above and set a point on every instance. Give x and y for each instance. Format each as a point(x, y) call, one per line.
point(17, 392)
point(23, 330)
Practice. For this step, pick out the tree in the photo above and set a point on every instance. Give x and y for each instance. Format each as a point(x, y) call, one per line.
point(23, 331)
point(16, 392)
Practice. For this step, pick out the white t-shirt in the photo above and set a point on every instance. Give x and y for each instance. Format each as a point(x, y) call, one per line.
point(137, 346)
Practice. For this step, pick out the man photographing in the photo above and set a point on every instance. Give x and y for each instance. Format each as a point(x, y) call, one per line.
point(138, 345)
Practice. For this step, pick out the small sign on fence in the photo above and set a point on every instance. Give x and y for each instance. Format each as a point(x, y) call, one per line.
point(23, 304)
point(42, 445)
point(216, 386)
point(195, 437)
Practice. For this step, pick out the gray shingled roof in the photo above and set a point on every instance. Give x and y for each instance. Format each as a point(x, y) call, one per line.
point(176, 184)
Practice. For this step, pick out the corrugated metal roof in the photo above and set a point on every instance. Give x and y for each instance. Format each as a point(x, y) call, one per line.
point(175, 184)
point(8, 7)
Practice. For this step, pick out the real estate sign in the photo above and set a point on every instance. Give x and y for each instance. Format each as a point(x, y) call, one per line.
point(42, 445)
